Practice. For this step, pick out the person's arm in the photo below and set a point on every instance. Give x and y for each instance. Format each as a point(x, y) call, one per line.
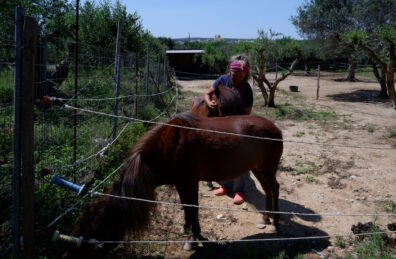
point(207, 97)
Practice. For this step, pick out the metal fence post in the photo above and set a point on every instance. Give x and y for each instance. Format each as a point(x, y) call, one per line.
point(44, 68)
point(159, 71)
point(19, 13)
point(165, 71)
point(147, 72)
point(317, 89)
point(75, 89)
point(117, 73)
point(136, 82)
point(29, 39)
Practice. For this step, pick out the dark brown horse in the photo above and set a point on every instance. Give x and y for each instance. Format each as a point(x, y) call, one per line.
point(228, 103)
point(182, 157)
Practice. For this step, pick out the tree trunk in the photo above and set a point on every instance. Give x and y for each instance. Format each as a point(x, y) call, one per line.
point(307, 70)
point(390, 81)
point(351, 71)
point(271, 97)
point(381, 80)
point(263, 90)
point(390, 78)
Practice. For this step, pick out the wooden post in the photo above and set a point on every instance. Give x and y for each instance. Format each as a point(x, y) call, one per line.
point(317, 89)
point(117, 73)
point(16, 174)
point(29, 38)
point(276, 69)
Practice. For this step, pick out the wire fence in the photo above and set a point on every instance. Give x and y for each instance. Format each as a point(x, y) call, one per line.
point(143, 92)
point(75, 145)
point(73, 142)
point(7, 53)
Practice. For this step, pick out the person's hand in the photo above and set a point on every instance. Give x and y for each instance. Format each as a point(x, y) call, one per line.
point(212, 104)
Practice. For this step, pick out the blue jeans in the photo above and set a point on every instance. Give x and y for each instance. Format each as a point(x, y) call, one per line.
point(236, 185)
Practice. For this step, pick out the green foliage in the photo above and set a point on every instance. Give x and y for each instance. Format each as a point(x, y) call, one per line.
point(357, 37)
point(301, 170)
point(149, 112)
point(6, 87)
point(373, 246)
point(340, 242)
point(299, 134)
point(118, 151)
point(216, 55)
point(390, 207)
point(98, 25)
point(168, 42)
point(371, 128)
point(288, 111)
point(391, 133)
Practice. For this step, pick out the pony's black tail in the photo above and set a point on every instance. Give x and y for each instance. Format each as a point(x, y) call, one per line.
point(109, 218)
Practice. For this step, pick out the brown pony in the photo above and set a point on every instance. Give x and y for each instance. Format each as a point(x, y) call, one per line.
point(228, 103)
point(182, 157)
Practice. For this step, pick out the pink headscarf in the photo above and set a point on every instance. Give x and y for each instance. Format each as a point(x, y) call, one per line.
point(237, 66)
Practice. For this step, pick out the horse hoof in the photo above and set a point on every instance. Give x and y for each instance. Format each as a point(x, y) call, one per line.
point(188, 246)
point(261, 226)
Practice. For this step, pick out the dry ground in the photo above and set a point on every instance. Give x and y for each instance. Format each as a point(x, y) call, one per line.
point(319, 179)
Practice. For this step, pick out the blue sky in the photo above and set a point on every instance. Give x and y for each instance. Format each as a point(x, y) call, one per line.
point(206, 18)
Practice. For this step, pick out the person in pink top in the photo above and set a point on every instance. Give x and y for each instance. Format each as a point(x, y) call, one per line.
point(237, 79)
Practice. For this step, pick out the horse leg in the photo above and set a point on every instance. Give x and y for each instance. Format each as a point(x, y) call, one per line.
point(274, 187)
point(268, 195)
point(188, 193)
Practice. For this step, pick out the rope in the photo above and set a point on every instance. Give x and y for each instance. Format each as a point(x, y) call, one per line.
point(93, 241)
point(110, 98)
point(198, 74)
point(330, 214)
point(226, 133)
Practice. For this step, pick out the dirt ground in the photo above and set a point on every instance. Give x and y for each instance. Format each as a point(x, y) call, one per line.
point(350, 178)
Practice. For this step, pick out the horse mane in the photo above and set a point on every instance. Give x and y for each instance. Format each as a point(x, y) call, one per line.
point(229, 101)
point(108, 218)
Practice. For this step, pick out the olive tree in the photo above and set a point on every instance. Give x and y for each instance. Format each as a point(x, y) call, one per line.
point(268, 47)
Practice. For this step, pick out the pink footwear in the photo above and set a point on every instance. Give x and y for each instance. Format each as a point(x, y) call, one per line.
point(221, 191)
point(238, 198)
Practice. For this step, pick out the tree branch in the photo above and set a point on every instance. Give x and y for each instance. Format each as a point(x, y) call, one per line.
point(290, 70)
point(373, 56)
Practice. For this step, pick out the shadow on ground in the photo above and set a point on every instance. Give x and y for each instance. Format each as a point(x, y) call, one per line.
point(361, 96)
point(265, 249)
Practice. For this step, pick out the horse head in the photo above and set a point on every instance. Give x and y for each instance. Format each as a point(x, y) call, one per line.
point(228, 103)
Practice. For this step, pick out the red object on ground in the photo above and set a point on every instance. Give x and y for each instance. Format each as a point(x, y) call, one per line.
point(45, 171)
point(45, 101)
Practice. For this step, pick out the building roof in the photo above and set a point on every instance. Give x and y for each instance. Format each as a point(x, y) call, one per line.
point(185, 51)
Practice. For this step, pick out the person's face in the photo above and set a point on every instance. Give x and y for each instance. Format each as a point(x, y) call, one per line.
point(237, 77)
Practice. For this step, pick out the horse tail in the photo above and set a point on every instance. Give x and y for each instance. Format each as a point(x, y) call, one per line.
point(110, 218)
